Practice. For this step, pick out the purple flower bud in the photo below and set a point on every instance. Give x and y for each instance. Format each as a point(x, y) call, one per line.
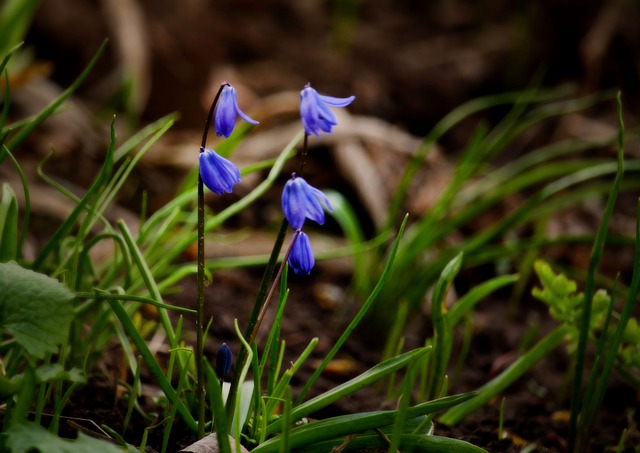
point(315, 113)
point(224, 118)
point(218, 174)
point(302, 201)
point(301, 257)
point(224, 360)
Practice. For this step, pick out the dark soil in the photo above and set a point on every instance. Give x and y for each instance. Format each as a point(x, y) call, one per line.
point(409, 63)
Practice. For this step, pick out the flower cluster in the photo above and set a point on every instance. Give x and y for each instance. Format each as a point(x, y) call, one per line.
point(300, 200)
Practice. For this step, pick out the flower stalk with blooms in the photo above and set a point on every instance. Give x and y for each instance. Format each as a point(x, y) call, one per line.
point(299, 202)
point(219, 175)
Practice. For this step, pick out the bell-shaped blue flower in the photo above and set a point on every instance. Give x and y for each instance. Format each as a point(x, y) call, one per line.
point(217, 173)
point(224, 118)
point(224, 360)
point(315, 113)
point(301, 259)
point(302, 201)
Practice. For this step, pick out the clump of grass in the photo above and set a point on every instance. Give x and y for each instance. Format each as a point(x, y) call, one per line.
point(48, 301)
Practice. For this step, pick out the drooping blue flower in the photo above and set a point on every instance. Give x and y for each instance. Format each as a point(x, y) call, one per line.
point(224, 360)
point(224, 118)
point(301, 259)
point(315, 113)
point(218, 174)
point(302, 201)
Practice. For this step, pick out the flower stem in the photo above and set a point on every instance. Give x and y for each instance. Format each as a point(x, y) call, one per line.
point(200, 392)
point(274, 285)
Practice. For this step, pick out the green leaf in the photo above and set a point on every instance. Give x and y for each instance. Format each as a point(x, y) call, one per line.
point(36, 309)
point(30, 438)
point(8, 225)
point(367, 378)
point(408, 443)
point(356, 423)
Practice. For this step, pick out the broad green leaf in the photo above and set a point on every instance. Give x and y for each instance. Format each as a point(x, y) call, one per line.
point(34, 308)
point(30, 438)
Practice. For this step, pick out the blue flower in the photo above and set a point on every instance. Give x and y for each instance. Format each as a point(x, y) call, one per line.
point(224, 118)
point(302, 201)
point(301, 257)
point(217, 173)
point(315, 113)
point(224, 359)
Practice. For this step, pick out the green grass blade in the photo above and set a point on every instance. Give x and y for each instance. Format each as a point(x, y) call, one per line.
point(508, 376)
point(82, 205)
point(220, 421)
point(282, 385)
point(594, 261)
point(7, 57)
point(132, 298)
point(149, 282)
point(442, 327)
point(359, 316)
point(26, 215)
point(153, 365)
point(593, 401)
point(408, 443)
point(355, 423)
point(8, 225)
point(24, 132)
point(365, 379)
point(448, 122)
point(476, 294)
point(15, 18)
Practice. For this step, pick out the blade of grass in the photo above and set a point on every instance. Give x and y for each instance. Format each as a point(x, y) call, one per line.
point(359, 316)
point(26, 130)
point(592, 401)
point(485, 393)
point(152, 364)
point(442, 327)
point(355, 423)
point(367, 378)
point(594, 262)
point(65, 228)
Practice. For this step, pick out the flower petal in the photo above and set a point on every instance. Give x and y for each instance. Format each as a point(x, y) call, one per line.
point(224, 118)
point(309, 111)
point(315, 113)
point(224, 360)
point(244, 116)
point(217, 173)
point(302, 201)
point(301, 258)
point(336, 102)
point(293, 203)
